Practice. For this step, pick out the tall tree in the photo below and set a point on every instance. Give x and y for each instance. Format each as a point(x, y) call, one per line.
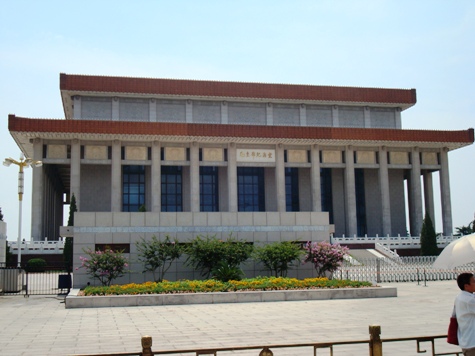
point(68, 243)
point(72, 209)
point(428, 238)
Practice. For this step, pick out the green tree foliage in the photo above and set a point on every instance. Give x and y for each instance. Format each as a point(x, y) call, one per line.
point(68, 254)
point(142, 208)
point(72, 209)
point(278, 257)
point(428, 238)
point(225, 273)
point(68, 243)
point(466, 230)
point(206, 253)
point(8, 254)
point(155, 255)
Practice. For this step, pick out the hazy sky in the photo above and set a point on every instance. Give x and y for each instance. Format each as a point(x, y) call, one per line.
point(425, 44)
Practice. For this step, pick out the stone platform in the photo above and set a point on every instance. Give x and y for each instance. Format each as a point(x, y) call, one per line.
point(73, 300)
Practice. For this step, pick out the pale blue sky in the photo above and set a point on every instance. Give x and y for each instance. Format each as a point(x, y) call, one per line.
point(425, 44)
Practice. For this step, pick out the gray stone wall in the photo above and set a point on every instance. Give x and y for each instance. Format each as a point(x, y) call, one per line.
point(171, 111)
point(128, 228)
point(338, 190)
point(207, 112)
point(96, 108)
point(95, 187)
point(383, 118)
point(133, 109)
point(247, 113)
point(398, 202)
point(319, 115)
point(286, 115)
point(373, 202)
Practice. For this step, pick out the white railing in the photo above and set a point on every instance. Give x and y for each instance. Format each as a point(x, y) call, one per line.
point(37, 247)
point(391, 242)
point(403, 269)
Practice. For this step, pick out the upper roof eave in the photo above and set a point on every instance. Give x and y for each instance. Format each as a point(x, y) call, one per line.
point(71, 84)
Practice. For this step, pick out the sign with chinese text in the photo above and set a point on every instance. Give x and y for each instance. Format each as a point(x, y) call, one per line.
point(255, 155)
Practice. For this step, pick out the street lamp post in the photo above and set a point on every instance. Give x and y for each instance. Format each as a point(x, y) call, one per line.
point(22, 163)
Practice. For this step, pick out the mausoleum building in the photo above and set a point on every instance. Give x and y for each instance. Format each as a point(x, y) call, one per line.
point(265, 162)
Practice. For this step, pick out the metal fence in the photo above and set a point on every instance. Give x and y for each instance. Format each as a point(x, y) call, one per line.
point(18, 281)
point(374, 344)
point(401, 269)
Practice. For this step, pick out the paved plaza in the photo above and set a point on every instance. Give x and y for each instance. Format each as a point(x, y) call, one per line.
point(40, 325)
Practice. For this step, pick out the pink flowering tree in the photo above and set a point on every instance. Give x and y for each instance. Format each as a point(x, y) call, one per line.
point(105, 266)
point(324, 256)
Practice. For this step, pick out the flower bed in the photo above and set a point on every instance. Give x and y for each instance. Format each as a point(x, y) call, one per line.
point(208, 286)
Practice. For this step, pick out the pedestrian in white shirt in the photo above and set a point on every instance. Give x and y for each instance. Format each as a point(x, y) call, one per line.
point(465, 312)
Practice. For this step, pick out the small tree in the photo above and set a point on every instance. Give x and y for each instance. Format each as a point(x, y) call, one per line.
point(158, 255)
point(72, 209)
point(278, 257)
point(1, 215)
point(325, 256)
point(206, 254)
point(68, 243)
point(428, 238)
point(105, 266)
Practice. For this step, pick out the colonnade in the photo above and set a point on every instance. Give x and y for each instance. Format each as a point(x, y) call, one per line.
point(414, 186)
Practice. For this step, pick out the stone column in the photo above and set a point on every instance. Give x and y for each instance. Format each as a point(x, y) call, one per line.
point(445, 193)
point(335, 116)
point(232, 178)
point(37, 194)
point(116, 172)
point(224, 112)
point(195, 177)
point(315, 179)
point(350, 195)
point(152, 110)
point(367, 117)
point(156, 177)
point(415, 192)
point(115, 109)
point(384, 189)
point(429, 195)
point(189, 111)
point(303, 115)
point(75, 185)
point(269, 114)
point(280, 178)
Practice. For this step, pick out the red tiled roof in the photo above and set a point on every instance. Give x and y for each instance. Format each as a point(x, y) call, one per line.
point(104, 84)
point(17, 124)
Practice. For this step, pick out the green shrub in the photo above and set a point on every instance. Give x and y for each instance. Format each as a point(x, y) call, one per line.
point(224, 273)
point(205, 253)
point(157, 256)
point(279, 257)
point(36, 265)
point(210, 285)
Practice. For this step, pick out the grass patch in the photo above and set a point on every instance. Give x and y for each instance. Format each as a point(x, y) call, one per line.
point(211, 285)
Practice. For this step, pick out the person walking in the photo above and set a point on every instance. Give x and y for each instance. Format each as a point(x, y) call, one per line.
point(465, 313)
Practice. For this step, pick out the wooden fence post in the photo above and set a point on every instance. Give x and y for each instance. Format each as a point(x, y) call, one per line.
point(147, 346)
point(375, 343)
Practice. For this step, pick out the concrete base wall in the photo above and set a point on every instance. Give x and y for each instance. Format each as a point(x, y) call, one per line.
point(75, 301)
point(128, 228)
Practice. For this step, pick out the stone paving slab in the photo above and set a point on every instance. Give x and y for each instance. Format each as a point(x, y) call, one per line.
point(43, 326)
